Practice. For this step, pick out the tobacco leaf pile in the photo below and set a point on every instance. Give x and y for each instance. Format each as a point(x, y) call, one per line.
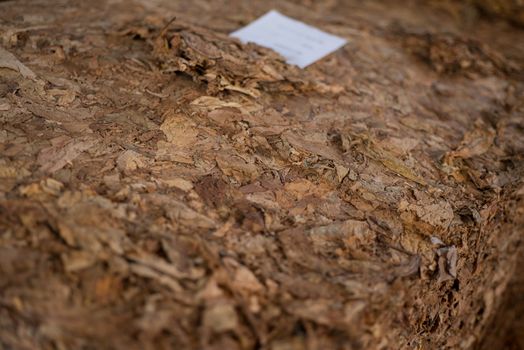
point(163, 186)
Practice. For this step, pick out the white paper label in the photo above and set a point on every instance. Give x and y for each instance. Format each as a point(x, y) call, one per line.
point(299, 43)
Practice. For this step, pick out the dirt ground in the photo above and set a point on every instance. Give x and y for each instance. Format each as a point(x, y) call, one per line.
point(163, 186)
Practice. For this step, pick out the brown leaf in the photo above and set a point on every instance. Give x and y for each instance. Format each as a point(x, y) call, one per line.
point(8, 60)
point(63, 151)
point(475, 143)
point(235, 166)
